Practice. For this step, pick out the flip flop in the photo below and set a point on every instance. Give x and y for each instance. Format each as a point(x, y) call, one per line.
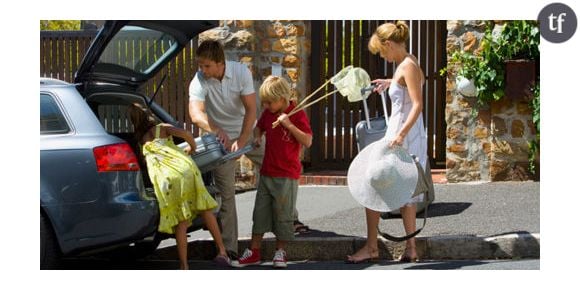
point(300, 228)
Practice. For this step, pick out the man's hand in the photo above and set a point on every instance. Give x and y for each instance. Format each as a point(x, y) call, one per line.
point(237, 145)
point(223, 137)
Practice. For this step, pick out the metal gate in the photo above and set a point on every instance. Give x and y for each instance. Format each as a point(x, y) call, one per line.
point(339, 43)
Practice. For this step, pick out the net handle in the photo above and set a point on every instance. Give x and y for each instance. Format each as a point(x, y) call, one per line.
point(296, 109)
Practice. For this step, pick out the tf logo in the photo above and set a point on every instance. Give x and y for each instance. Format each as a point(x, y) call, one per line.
point(557, 22)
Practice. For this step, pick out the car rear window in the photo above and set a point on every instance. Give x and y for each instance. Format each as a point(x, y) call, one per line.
point(52, 120)
point(138, 49)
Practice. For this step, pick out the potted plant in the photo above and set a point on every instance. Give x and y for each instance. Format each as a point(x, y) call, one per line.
point(514, 51)
point(518, 46)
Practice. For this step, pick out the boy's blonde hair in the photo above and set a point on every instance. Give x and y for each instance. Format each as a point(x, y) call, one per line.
point(275, 88)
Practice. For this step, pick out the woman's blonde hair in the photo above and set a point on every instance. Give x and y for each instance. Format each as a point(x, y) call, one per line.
point(396, 32)
point(275, 88)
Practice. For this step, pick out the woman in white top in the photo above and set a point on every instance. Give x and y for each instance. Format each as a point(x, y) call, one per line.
point(405, 127)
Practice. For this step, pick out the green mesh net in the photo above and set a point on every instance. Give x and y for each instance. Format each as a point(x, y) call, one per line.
point(350, 81)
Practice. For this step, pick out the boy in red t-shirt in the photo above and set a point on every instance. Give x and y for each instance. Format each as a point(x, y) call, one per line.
point(278, 185)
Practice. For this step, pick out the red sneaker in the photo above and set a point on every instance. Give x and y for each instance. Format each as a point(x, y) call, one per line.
point(279, 260)
point(249, 257)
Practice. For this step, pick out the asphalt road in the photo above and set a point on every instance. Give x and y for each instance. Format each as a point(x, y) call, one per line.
point(484, 209)
point(101, 264)
point(477, 209)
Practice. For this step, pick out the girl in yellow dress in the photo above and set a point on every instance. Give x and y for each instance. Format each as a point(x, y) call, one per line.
point(176, 180)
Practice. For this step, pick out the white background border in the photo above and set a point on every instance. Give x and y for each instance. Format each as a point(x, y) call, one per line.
point(559, 157)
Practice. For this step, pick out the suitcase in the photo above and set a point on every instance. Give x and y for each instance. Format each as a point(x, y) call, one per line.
point(371, 130)
point(211, 153)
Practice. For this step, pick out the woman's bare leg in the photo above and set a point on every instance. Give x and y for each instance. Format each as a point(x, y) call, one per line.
point(408, 213)
point(370, 250)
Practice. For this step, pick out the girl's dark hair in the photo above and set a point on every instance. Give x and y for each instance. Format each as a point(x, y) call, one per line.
point(142, 120)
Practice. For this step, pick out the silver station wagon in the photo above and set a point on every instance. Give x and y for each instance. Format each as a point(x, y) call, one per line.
point(95, 194)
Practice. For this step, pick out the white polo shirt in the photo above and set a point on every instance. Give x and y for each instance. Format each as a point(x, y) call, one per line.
point(222, 98)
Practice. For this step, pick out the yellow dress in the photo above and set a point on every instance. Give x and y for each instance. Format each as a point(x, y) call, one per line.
point(177, 182)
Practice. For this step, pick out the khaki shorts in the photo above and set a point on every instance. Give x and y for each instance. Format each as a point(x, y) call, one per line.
point(274, 207)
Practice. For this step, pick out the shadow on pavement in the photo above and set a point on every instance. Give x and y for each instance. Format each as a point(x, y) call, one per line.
point(314, 233)
point(444, 265)
point(437, 209)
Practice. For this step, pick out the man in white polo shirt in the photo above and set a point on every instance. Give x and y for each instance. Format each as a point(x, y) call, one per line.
point(222, 100)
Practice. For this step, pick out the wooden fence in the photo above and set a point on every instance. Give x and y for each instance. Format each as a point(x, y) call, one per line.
point(337, 44)
point(62, 51)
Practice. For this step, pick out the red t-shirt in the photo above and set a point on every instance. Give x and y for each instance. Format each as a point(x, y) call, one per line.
point(282, 152)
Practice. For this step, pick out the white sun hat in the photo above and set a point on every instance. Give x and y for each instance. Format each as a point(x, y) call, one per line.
point(381, 178)
point(349, 82)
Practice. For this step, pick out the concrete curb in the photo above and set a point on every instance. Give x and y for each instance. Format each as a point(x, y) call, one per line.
point(506, 246)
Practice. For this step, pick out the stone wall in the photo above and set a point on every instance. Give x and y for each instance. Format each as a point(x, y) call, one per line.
point(278, 47)
point(493, 144)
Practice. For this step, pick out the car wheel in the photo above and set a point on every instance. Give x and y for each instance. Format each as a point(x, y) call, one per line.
point(49, 251)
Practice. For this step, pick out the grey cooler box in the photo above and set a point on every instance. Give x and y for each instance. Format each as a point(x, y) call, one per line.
point(211, 153)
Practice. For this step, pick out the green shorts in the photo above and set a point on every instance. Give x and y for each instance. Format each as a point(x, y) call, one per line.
point(274, 207)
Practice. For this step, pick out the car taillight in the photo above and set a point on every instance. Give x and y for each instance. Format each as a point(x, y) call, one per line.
point(116, 157)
